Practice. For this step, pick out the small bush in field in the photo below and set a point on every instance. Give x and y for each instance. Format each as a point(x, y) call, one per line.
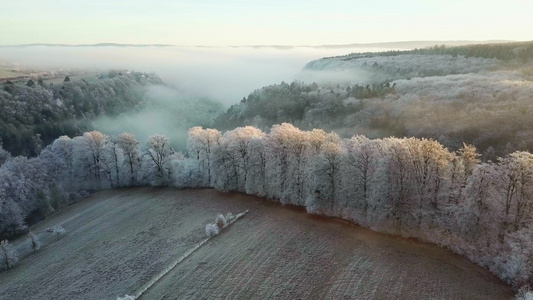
point(525, 293)
point(229, 217)
point(57, 230)
point(211, 229)
point(221, 221)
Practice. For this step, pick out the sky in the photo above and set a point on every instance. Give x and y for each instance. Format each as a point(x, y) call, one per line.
point(261, 22)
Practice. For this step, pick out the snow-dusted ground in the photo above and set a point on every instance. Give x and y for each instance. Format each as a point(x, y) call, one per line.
point(118, 240)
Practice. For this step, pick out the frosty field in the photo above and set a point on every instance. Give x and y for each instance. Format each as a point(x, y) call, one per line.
point(117, 240)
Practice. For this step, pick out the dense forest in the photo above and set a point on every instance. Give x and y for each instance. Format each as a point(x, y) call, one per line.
point(407, 186)
point(34, 114)
point(421, 93)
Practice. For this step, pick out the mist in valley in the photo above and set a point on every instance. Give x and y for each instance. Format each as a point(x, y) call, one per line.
point(165, 110)
point(222, 74)
point(200, 83)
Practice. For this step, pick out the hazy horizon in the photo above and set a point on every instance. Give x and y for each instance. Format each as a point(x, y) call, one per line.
point(397, 43)
point(240, 23)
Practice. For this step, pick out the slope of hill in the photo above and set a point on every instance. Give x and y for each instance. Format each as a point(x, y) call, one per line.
point(116, 241)
point(32, 115)
point(479, 94)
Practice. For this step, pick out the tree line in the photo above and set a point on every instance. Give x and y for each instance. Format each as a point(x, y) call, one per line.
point(406, 186)
point(522, 51)
point(64, 172)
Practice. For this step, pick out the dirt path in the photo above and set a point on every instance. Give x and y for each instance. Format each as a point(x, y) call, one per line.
point(118, 240)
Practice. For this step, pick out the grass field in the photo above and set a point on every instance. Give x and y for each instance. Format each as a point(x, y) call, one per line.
point(7, 73)
point(59, 80)
point(118, 240)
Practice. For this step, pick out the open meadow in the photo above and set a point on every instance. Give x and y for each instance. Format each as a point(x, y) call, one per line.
point(118, 240)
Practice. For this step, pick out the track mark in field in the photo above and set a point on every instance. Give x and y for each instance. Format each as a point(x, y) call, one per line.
point(94, 207)
point(154, 280)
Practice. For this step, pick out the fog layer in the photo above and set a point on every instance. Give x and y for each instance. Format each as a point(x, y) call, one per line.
point(223, 74)
point(164, 111)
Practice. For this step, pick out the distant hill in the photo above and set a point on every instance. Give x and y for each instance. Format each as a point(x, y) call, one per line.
point(385, 45)
point(407, 45)
point(89, 45)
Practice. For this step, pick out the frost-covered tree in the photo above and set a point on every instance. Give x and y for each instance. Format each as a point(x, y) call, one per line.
point(201, 145)
point(360, 167)
point(187, 173)
point(286, 163)
point(130, 148)
point(59, 161)
point(481, 203)
point(470, 158)
point(4, 155)
point(157, 156)
point(256, 181)
point(22, 181)
point(225, 166)
point(238, 142)
point(90, 157)
point(231, 159)
point(399, 181)
point(326, 173)
point(9, 256)
point(11, 217)
point(114, 160)
point(34, 241)
point(429, 167)
point(515, 182)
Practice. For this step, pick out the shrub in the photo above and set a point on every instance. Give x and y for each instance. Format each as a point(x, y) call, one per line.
point(58, 230)
point(229, 217)
point(211, 229)
point(221, 221)
point(524, 293)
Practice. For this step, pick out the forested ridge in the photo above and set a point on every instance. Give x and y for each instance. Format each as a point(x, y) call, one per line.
point(502, 51)
point(34, 114)
point(484, 99)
